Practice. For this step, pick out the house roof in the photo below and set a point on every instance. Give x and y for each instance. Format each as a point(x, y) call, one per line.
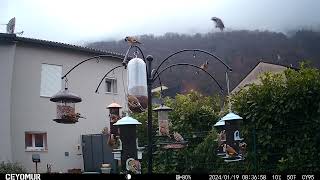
point(258, 63)
point(14, 38)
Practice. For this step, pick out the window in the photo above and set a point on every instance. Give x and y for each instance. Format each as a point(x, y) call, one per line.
point(50, 79)
point(111, 85)
point(36, 141)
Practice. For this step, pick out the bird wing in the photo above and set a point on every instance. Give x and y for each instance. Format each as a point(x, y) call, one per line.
point(219, 23)
point(214, 18)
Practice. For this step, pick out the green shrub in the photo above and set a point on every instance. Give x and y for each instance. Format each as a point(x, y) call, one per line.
point(11, 168)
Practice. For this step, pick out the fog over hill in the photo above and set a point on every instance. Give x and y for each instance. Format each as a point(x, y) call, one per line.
point(241, 49)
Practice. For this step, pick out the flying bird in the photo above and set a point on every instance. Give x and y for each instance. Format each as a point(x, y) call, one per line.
point(178, 137)
point(131, 40)
point(219, 23)
point(204, 67)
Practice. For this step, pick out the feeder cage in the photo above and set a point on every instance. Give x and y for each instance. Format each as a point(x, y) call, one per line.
point(163, 119)
point(137, 85)
point(114, 115)
point(65, 101)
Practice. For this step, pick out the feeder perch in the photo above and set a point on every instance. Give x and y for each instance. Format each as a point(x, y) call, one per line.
point(65, 101)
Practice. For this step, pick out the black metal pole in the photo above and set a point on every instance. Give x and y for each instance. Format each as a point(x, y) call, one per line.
point(149, 85)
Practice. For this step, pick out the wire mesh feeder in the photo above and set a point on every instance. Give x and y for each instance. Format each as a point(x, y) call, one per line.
point(65, 101)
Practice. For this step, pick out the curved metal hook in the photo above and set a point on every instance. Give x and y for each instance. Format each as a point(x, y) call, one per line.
point(194, 50)
point(125, 62)
point(106, 76)
point(94, 57)
point(187, 64)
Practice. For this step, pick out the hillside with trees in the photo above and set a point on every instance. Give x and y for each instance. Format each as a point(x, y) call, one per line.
point(241, 49)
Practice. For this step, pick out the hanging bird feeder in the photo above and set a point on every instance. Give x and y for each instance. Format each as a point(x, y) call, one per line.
point(114, 114)
point(65, 101)
point(175, 141)
point(163, 119)
point(128, 136)
point(232, 143)
point(137, 85)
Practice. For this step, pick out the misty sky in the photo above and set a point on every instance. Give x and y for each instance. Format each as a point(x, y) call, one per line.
point(78, 21)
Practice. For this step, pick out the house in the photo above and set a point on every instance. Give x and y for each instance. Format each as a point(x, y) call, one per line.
point(261, 67)
point(30, 73)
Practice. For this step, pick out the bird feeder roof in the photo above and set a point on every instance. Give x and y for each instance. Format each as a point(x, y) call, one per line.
point(114, 105)
point(65, 96)
point(127, 121)
point(162, 108)
point(231, 117)
point(220, 123)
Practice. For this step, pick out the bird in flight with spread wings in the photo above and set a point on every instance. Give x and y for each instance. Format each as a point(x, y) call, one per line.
point(219, 23)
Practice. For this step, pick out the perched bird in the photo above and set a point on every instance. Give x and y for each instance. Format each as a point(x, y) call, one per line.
point(219, 23)
point(204, 67)
point(112, 140)
point(114, 117)
point(105, 131)
point(221, 137)
point(131, 40)
point(73, 117)
point(78, 116)
point(229, 150)
point(243, 147)
point(134, 104)
point(178, 137)
point(133, 166)
point(164, 129)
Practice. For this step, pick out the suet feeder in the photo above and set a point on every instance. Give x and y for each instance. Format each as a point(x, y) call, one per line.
point(137, 85)
point(65, 101)
point(114, 114)
point(163, 119)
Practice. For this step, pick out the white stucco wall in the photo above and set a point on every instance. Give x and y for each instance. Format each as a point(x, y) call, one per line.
point(30, 112)
point(6, 69)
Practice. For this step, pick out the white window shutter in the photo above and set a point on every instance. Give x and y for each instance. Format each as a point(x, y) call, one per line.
point(50, 80)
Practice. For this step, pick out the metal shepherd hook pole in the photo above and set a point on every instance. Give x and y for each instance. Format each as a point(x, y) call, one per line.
point(149, 86)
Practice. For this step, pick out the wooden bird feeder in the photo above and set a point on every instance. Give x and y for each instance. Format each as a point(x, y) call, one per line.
point(65, 101)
